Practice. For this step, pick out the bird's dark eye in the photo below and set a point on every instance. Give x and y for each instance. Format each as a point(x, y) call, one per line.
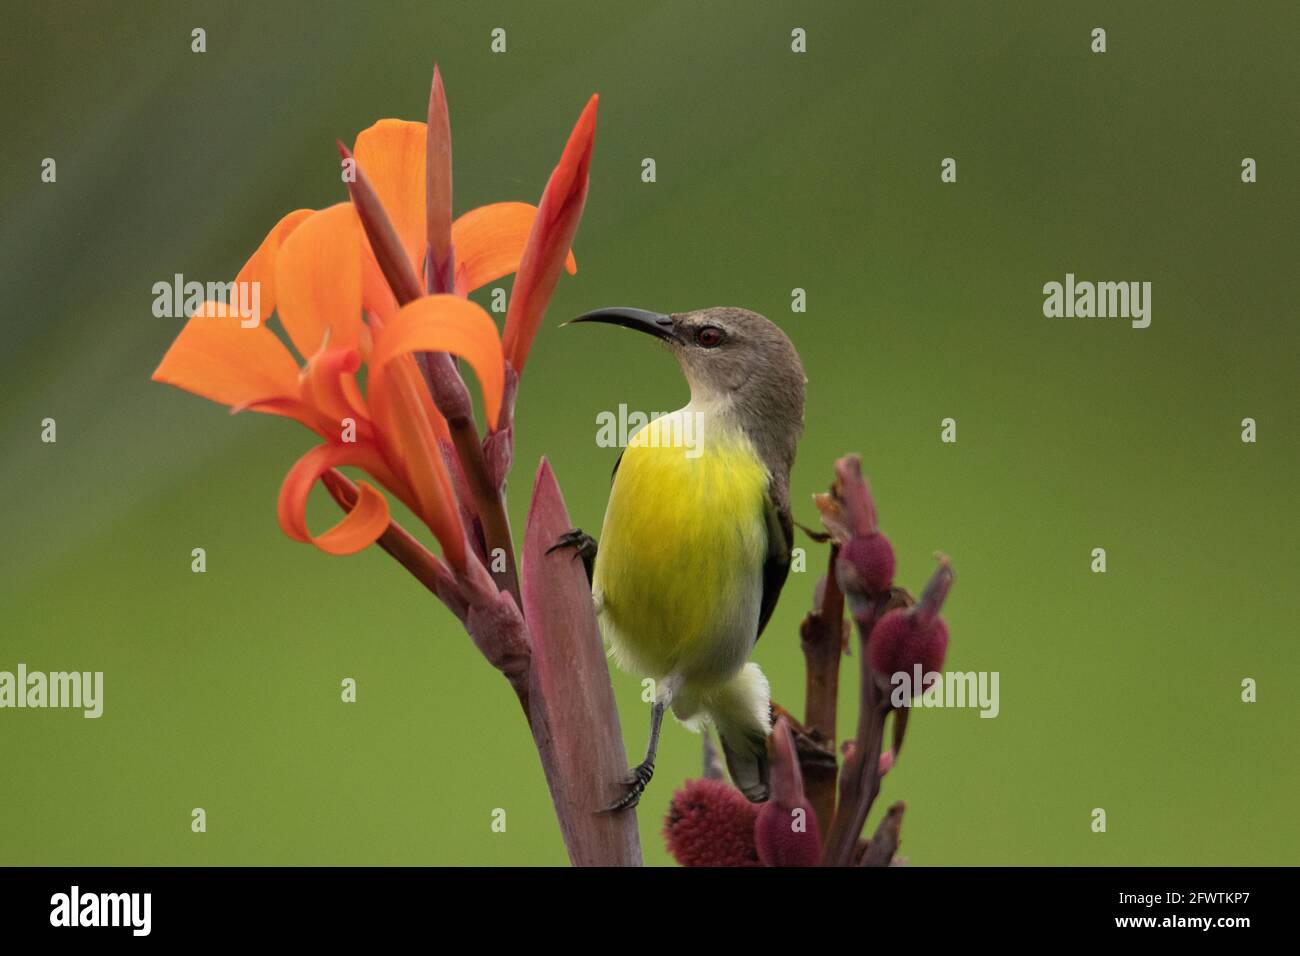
point(709, 337)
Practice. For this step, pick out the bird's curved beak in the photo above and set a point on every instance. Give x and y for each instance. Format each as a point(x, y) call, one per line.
point(652, 323)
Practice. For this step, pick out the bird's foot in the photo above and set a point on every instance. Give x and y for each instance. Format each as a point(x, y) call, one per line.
point(583, 545)
point(634, 785)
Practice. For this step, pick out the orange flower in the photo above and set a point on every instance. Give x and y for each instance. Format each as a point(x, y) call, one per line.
point(318, 273)
point(392, 430)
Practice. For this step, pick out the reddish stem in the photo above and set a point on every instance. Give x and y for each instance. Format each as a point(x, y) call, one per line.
point(860, 781)
point(424, 565)
point(822, 638)
point(445, 384)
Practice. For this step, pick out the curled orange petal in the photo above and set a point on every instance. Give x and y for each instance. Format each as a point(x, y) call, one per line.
point(446, 323)
point(318, 280)
point(260, 267)
point(329, 387)
point(217, 357)
point(489, 242)
point(359, 528)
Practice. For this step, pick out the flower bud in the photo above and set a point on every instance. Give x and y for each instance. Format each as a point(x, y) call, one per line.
point(787, 835)
point(865, 565)
point(886, 763)
point(907, 638)
point(786, 831)
point(710, 823)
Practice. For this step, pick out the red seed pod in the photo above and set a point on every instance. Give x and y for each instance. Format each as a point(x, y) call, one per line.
point(786, 831)
point(710, 823)
point(866, 565)
point(786, 835)
point(900, 642)
point(906, 638)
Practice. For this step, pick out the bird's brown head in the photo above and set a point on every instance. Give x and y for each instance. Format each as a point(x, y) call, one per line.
point(737, 362)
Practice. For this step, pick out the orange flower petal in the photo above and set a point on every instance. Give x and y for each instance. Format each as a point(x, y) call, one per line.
point(552, 234)
point(408, 424)
point(359, 528)
point(329, 386)
point(216, 357)
point(437, 186)
point(409, 427)
point(489, 242)
point(446, 323)
point(391, 154)
point(376, 294)
point(318, 281)
point(260, 267)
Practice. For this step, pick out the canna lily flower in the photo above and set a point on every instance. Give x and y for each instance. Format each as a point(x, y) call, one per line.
point(371, 298)
point(390, 431)
point(318, 272)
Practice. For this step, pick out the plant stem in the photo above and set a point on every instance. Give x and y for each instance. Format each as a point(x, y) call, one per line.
point(424, 565)
point(822, 639)
point(445, 384)
point(860, 781)
point(573, 715)
point(883, 846)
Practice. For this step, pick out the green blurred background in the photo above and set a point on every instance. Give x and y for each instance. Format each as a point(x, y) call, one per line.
point(775, 171)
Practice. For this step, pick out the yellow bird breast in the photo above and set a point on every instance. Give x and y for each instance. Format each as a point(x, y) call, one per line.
point(678, 572)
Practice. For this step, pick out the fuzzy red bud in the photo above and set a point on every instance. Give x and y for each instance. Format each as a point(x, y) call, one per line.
point(786, 831)
point(710, 823)
point(866, 565)
point(786, 835)
point(900, 643)
point(908, 638)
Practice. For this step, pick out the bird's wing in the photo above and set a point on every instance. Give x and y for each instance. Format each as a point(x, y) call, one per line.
point(776, 565)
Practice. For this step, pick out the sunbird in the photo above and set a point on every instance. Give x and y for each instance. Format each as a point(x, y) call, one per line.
point(695, 546)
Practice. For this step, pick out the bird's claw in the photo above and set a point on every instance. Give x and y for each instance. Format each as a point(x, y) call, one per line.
point(634, 785)
point(583, 545)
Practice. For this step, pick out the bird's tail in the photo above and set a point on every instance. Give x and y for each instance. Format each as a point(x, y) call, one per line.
point(741, 712)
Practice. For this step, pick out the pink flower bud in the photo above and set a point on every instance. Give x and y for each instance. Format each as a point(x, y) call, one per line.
point(866, 565)
point(786, 835)
point(900, 642)
point(710, 823)
point(886, 762)
point(786, 831)
point(907, 638)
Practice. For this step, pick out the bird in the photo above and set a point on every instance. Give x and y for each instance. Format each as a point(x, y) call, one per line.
point(696, 542)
